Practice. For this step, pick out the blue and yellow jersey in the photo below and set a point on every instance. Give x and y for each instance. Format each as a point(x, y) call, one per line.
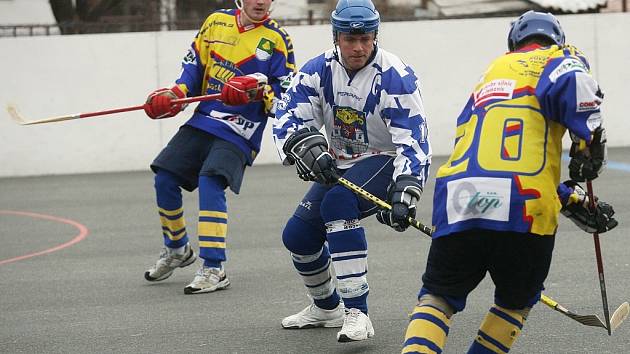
point(505, 168)
point(222, 50)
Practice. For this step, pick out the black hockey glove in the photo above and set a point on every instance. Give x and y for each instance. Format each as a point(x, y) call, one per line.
point(577, 210)
point(307, 148)
point(588, 163)
point(402, 196)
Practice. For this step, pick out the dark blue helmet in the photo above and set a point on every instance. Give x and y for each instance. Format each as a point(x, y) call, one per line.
point(354, 16)
point(534, 23)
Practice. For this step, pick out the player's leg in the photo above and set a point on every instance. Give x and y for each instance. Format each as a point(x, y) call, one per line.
point(455, 266)
point(224, 166)
point(304, 236)
point(341, 212)
point(175, 168)
point(520, 264)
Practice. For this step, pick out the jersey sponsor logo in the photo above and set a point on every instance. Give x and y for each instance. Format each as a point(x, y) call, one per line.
point(478, 198)
point(190, 57)
point(222, 24)
point(342, 225)
point(221, 72)
point(239, 124)
point(587, 94)
point(349, 132)
point(349, 94)
point(306, 204)
point(588, 106)
point(264, 49)
point(567, 65)
point(495, 89)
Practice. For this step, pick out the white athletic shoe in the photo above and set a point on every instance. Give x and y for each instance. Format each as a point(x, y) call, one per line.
point(356, 326)
point(167, 263)
point(207, 280)
point(313, 316)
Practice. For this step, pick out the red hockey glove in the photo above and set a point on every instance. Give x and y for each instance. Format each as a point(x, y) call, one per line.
point(244, 89)
point(159, 103)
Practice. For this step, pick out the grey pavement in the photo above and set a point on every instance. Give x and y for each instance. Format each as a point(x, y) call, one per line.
point(91, 297)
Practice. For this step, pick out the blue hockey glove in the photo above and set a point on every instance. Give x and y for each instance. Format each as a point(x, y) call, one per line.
point(402, 196)
point(576, 208)
point(307, 148)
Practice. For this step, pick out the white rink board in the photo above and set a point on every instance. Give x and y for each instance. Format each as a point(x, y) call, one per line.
point(59, 75)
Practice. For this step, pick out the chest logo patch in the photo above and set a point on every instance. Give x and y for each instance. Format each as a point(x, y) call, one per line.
point(264, 49)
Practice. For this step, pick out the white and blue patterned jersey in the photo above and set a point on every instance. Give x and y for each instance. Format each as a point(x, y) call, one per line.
point(375, 110)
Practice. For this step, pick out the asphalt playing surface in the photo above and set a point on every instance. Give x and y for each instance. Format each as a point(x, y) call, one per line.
point(85, 292)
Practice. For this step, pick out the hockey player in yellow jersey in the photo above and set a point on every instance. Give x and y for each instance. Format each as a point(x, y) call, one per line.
point(498, 197)
point(235, 53)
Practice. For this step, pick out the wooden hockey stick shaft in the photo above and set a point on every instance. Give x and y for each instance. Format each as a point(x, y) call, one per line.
point(13, 112)
point(600, 263)
point(588, 320)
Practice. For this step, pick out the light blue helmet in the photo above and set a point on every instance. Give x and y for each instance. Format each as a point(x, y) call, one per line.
point(532, 24)
point(354, 16)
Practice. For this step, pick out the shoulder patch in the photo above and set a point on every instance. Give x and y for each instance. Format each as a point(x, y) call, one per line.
point(566, 66)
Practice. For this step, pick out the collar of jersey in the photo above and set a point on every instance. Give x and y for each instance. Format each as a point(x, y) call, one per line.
point(242, 28)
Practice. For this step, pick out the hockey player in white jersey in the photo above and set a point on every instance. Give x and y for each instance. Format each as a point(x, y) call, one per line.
point(370, 105)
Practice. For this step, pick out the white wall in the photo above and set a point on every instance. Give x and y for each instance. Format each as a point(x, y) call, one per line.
point(25, 11)
point(48, 76)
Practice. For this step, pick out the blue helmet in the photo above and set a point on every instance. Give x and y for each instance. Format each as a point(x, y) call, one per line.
point(354, 16)
point(534, 23)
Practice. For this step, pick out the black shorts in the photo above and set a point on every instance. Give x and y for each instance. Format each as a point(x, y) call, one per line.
point(517, 262)
point(193, 152)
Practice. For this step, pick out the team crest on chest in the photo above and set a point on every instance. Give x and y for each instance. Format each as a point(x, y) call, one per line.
point(349, 132)
point(264, 49)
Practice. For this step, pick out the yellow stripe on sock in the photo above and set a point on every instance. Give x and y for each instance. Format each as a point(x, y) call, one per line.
point(423, 328)
point(213, 214)
point(499, 329)
point(171, 212)
point(417, 348)
point(173, 225)
point(213, 229)
point(210, 244)
point(177, 237)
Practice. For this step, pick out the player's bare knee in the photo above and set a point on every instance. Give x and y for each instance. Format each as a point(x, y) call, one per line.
point(437, 302)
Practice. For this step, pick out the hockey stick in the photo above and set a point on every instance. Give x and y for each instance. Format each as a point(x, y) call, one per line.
point(621, 312)
point(589, 320)
point(18, 118)
point(376, 200)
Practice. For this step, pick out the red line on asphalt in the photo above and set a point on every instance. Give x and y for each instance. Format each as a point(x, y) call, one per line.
point(83, 232)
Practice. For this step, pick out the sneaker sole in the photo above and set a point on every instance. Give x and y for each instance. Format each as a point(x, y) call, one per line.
point(328, 324)
point(220, 286)
point(345, 339)
point(190, 260)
